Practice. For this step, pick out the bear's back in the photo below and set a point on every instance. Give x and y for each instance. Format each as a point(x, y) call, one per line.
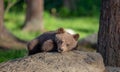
point(47, 36)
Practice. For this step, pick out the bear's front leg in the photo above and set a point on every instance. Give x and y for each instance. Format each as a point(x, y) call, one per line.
point(48, 45)
point(32, 46)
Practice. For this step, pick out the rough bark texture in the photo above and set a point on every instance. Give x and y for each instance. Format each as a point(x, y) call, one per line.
point(7, 40)
point(34, 15)
point(1, 15)
point(74, 61)
point(109, 32)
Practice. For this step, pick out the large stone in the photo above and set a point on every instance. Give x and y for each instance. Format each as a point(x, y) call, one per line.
point(112, 69)
point(74, 61)
point(88, 43)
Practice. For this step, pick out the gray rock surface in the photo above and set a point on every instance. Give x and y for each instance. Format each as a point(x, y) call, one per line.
point(112, 69)
point(88, 43)
point(73, 61)
point(91, 39)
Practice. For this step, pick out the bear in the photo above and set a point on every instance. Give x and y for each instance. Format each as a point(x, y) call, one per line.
point(53, 41)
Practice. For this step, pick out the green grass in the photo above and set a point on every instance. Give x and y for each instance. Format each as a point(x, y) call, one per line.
point(82, 25)
point(6, 55)
point(14, 21)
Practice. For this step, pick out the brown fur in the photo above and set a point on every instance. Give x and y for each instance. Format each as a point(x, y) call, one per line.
point(53, 41)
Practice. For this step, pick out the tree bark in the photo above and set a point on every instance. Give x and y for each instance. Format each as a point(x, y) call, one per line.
point(7, 40)
point(34, 16)
point(1, 14)
point(109, 32)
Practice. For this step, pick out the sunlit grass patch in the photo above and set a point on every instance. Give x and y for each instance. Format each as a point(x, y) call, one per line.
point(82, 25)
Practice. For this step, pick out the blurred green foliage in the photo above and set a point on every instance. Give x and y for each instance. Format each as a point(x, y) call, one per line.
point(82, 7)
point(19, 5)
point(88, 7)
point(6, 55)
point(64, 12)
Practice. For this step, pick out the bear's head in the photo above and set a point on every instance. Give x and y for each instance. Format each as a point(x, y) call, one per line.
point(66, 41)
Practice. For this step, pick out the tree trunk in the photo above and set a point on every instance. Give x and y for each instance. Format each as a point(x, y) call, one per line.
point(109, 32)
point(34, 16)
point(1, 14)
point(7, 40)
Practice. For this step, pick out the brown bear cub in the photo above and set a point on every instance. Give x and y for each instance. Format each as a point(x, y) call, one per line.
point(53, 41)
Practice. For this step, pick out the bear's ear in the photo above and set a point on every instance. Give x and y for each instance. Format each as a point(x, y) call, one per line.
point(76, 36)
point(60, 30)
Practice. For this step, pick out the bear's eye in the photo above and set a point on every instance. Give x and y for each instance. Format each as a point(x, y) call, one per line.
point(67, 44)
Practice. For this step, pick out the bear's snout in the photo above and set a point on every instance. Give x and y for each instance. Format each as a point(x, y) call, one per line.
point(63, 49)
point(60, 50)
